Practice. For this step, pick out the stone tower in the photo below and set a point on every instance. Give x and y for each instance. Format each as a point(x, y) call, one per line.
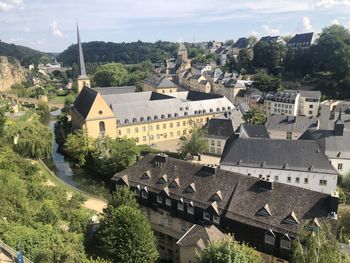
point(83, 79)
point(182, 55)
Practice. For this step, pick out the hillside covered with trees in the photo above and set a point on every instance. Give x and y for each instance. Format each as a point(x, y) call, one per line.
point(25, 55)
point(125, 53)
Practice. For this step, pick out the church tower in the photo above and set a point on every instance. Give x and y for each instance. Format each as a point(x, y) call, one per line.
point(182, 55)
point(83, 79)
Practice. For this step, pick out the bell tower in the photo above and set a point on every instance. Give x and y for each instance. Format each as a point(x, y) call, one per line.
point(83, 79)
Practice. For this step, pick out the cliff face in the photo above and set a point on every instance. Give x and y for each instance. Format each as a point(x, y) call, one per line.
point(10, 73)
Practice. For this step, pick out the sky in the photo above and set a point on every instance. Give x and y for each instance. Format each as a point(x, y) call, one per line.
point(50, 25)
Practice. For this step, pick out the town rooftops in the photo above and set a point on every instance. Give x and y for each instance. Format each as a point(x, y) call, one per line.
point(84, 101)
point(301, 40)
point(115, 90)
point(241, 43)
point(233, 196)
point(270, 38)
point(159, 83)
point(290, 123)
point(310, 94)
point(295, 155)
point(286, 96)
point(253, 131)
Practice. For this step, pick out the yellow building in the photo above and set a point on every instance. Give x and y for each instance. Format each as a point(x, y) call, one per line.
point(158, 84)
point(147, 117)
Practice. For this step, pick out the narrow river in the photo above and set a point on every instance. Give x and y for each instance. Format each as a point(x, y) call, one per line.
point(77, 177)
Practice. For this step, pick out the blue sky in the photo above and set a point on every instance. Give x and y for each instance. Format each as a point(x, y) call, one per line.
point(49, 25)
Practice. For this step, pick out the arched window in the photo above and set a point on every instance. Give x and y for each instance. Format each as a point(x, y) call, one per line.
point(155, 117)
point(102, 127)
point(186, 114)
point(163, 116)
point(169, 115)
point(134, 120)
point(126, 121)
point(176, 115)
point(142, 119)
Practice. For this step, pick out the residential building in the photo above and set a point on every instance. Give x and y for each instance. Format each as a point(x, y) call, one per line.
point(294, 162)
point(171, 67)
point(304, 40)
point(241, 43)
point(334, 142)
point(147, 117)
point(309, 103)
point(253, 131)
point(284, 102)
point(276, 39)
point(220, 128)
point(200, 68)
point(175, 195)
point(159, 84)
point(253, 97)
point(198, 83)
point(288, 127)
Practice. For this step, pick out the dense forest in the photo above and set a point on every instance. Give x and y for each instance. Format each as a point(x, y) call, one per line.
point(25, 55)
point(125, 53)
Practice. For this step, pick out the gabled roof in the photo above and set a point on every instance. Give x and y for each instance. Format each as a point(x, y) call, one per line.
point(253, 131)
point(265, 211)
point(158, 82)
point(200, 236)
point(241, 43)
point(301, 40)
point(84, 101)
point(270, 38)
point(224, 126)
point(299, 155)
point(290, 123)
point(291, 219)
point(115, 90)
point(242, 196)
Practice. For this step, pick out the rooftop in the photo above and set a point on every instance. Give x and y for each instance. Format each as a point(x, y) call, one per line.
point(158, 82)
point(290, 123)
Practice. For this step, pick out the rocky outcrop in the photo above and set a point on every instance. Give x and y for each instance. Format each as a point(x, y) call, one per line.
point(11, 73)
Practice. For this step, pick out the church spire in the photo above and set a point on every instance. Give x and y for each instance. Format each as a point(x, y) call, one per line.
point(81, 55)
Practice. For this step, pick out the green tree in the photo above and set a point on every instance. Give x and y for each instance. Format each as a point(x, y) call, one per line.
point(43, 111)
point(244, 60)
point(69, 100)
point(255, 116)
point(123, 197)
point(195, 144)
point(78, 145)
point(2, 122)
point(269, 54)
point(229, 250)
point(318, 246)
point(112, 74)
point(124, 235)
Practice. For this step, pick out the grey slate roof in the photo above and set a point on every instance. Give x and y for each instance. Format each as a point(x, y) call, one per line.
point(290, 123)
point(241, 43)
point(242, 196)
point(296, 155)
point(158, 82)
point(310, 93)
point(301, 40)
point(115, 90)
point(253, 131)
point(286, 96)
point(84, 101)
point(269, 38)
point(200, 236)
point(223, 126)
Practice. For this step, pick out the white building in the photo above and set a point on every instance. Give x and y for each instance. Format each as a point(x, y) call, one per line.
point(293, 162)
point(309, 103)
point(282, 102)
point(200, 68)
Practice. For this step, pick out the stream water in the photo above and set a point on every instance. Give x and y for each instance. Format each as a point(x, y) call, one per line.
point(65, 170)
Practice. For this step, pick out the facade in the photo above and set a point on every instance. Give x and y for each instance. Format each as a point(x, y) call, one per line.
point(200, 68)
point(146, 117)
point(241, 43)
point(175, 195)
point(282, 102)
point(288, 127)
point(183, 62)
point(158, 84)
point(220, 128)
point(295, 162)
point(309, 103)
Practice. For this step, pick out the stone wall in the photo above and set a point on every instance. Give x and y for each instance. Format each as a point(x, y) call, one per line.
point(10, 73)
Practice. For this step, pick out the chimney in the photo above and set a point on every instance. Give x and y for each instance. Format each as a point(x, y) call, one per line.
point(339, 125)
point(161, 157)
point(265, 184)
point(209, 169)
point(333, 204)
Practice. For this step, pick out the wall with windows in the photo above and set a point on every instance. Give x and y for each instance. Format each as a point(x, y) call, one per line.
point(162, 130)
point(308, 106)
point(146, 87)
point(216, 145)
point(289, 109)
point(279, 134)
point(320, 182)
point(342, 165)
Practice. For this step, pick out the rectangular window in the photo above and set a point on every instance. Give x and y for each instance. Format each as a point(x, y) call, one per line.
point(216, 219)
point(206, 215)
point(178, 133)
point(137, 139)
point(190, 209)
point(127, 131)
point(218, 143)
point(323, 182)
point(170, 220)
point(160, 219)
point(171, 125)
point(340, 166)
point(157, 127)
point(184, 132)
point(171, 134)
point(158, 136)
point(119, 132)
point(286, 244)
point(276, 178)
point(311, 106)
point(151, 137)
point(149, 214)
point(183, 226)
point(178, 124)
point(310, 112)
point(269, 239)
point(136, 130)
point(144, 138)
point(218, 151)
point(289, 179)
point(212, 143)
point(297, 180)
point(184, 123)
point(159, 199)
point(144, 194)
point(151, 128)
point(306, 180)
point(180, 206)
point(164, 126)
point(137, 192)
point(144, 128)
point(289, 135)
point(168, 201)
point(212, 150)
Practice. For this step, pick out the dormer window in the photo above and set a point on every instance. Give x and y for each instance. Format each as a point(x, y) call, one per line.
point(126, 121)
point(149, 118)
point(216, 219)
point(186, 113)
point(270, 237)
point(190, 189)
point(175, 183)
point(145, 193)
point(180, 205)
point(162, 116)
point(286, 242)
point(181, 109)
point(211, 110)
point(118, 122)
point(291, 219)
point(217, 109)
point(176, 115)
point(155, 117)
point(265, 211)
point(142, 119)
point(134, 120)
point(169, 115)
point(206, 215)
point(190, 208)
point(159, 199)
point(146, 175)
point(163, 179)
point(217, 196)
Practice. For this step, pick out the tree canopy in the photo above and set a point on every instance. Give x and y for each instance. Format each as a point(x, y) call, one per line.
point(255, 116)
point(112, 74)
point(229, 250)
point(195, 144)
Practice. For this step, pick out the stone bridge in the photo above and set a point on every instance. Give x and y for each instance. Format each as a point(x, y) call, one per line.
point(27, 101)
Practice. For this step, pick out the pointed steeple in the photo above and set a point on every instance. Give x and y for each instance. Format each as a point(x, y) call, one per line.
point(81, 55)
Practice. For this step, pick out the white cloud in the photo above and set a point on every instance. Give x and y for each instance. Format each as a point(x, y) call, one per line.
point(8, 5)
point(306, 24)
point(332, 3)
point(253, 34)
point(271, 31)
point(335, 22)
point(56, 32)
point(27, 29)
